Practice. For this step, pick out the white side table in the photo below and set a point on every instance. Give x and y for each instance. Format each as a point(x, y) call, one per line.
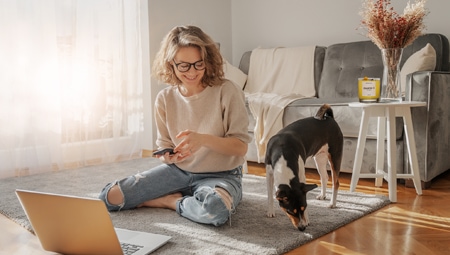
point(387, 112)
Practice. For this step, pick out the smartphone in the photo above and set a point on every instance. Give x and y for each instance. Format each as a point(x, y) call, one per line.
point(163, 151)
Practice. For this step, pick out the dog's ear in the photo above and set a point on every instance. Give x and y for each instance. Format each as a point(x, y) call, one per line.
point(282, 196)
point(308, 187)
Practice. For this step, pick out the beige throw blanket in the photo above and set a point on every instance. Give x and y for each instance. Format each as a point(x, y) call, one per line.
point(267, 109)
point(282, 71)
point(277, 77)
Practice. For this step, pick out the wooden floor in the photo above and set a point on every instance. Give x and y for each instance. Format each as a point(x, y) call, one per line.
point(413, 225)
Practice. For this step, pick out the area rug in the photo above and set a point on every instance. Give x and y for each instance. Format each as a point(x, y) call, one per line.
point(248, 232)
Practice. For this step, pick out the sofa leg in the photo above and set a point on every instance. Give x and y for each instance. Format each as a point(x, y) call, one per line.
point(410, 184)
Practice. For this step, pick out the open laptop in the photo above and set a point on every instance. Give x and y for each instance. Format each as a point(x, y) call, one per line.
point(76, 225)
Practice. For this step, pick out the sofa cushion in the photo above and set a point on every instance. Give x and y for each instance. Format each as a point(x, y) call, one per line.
point(234, 74)
point(422, 60)
point(344, 63)
point(440, 45)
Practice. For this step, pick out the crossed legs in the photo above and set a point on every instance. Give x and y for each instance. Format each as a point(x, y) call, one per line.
point(214, 195)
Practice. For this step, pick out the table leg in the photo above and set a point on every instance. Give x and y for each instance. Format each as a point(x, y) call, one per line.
point(411, 145)
point(379, 163)
point(391, 154)
point(359, 149)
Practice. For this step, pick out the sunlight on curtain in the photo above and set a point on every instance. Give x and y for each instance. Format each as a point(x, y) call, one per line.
point(70, 84)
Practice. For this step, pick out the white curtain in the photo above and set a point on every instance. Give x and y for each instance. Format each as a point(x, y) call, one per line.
point(70, 84)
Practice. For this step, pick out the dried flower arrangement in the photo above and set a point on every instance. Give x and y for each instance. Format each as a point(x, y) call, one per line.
point(386, 28)
point(392, 32)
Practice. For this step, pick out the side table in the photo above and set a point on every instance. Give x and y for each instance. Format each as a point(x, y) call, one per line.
point(387, 112)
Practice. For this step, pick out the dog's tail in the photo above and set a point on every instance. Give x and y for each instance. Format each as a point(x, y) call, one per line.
point(324, 112)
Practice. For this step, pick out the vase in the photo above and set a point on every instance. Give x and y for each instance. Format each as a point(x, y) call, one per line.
point(390, 85)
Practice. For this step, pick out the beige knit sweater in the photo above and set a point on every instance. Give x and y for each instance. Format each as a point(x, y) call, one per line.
point(217, 110)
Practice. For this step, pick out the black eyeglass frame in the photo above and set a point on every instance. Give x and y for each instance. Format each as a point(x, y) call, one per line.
point(190, 65)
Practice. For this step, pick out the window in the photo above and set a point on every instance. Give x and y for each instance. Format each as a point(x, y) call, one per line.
point(71, 83)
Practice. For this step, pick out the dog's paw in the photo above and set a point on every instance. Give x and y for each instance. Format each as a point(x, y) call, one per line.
point(331, 205)
point(321, 197)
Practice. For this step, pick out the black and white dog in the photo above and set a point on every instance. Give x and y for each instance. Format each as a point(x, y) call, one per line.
point(319, 137)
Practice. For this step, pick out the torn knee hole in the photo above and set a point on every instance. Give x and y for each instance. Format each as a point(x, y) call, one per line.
point(226, 197)
point(115, 196)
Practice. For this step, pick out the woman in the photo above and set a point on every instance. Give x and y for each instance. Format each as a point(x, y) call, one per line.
point(202, 117)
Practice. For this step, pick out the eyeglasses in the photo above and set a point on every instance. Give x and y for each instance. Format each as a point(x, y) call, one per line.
point(185, 66)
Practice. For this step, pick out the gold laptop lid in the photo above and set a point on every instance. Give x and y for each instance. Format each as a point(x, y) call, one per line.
point(70, 225)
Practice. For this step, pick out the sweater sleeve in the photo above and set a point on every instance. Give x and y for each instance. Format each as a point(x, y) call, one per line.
point(163, 139)
point(235, 119)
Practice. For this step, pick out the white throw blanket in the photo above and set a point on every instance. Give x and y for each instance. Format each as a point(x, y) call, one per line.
point(282, 71)
point(277, 77)
point(267, 109)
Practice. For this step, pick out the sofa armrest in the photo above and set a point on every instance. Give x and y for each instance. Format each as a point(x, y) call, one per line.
point(431, 123)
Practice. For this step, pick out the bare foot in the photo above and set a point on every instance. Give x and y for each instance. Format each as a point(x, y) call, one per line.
point(168, 201)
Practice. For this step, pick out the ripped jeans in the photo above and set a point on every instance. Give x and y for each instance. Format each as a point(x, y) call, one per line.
point(203, 201)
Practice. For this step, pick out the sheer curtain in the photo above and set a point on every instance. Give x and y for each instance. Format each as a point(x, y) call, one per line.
point(70, 84)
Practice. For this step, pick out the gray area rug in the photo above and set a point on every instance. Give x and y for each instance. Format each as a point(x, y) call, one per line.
point(248, 232)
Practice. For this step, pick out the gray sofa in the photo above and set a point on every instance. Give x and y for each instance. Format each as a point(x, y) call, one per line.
point(336, 72)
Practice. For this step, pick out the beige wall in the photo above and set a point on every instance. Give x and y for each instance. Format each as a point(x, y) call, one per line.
point(270, 23)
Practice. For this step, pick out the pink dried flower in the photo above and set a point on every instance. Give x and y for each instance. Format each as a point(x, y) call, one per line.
point(386, 28)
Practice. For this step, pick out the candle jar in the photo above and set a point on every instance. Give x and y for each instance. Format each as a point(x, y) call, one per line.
point(369, 90)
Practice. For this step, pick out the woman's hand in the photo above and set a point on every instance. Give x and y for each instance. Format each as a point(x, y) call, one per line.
point(190, 143)
point(193, 141)
point(168, 158)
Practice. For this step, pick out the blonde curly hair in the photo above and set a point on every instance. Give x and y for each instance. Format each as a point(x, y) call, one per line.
point(188, 36)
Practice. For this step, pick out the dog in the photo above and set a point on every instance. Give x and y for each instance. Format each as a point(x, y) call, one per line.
point(319, 137)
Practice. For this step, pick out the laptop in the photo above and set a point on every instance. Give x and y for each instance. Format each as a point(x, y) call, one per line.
point(77, 225)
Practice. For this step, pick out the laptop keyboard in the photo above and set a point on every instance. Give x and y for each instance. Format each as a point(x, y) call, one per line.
point(128, 248)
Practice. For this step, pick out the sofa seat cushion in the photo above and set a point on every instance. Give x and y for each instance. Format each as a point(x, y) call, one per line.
point(348, 118)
